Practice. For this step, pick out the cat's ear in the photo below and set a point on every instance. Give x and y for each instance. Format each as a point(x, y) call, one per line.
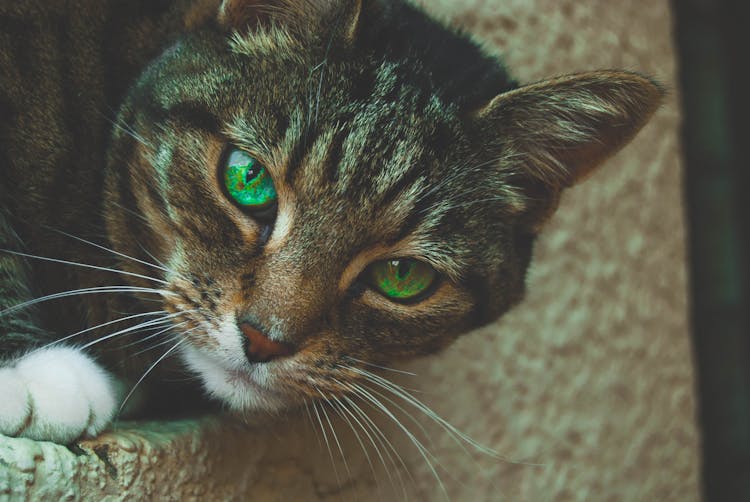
point(301, 15)
point(554, 133)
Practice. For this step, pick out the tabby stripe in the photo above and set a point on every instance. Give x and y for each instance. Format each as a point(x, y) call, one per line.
point(282, 120)
point(364, 86)
point(198, 232)
point(417, 216)
point(129, 196)
point(194, 115)
point(407, 179)
point(299, 152)
point(414, 220)
point(210, 235)
point(188, 223)
point(441, 140)
point(335, 152)
point(126, 195)
point(156, 198)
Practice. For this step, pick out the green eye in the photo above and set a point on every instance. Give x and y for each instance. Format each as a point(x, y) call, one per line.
point(248, 183)
point(402, 280)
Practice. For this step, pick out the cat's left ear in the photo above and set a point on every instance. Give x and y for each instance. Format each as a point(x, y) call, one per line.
point(300, 15)
point(554, 133)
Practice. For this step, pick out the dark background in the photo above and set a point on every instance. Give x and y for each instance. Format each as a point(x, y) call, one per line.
point(714, 45)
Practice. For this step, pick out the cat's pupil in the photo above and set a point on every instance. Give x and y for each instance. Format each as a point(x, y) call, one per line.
point(253, 172)
point(403, 268)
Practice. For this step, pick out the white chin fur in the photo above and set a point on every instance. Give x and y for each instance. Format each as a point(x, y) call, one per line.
point(236, 387)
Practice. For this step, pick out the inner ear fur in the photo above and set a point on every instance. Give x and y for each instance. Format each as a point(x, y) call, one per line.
point(301, 15)
point(553, 133)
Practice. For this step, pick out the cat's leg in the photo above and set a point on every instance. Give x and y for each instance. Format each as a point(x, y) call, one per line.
point(57, 393)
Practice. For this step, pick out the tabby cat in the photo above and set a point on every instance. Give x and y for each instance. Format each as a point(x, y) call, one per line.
point(279, 193)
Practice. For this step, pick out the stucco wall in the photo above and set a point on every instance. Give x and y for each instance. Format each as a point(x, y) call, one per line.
point(587, 388)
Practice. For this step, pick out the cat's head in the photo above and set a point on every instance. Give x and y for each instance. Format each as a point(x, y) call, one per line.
point(339, 183)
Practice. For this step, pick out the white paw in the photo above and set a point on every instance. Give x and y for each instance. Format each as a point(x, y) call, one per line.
point(56, 394)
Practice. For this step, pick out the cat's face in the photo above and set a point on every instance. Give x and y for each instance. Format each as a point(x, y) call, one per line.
point(320, 205)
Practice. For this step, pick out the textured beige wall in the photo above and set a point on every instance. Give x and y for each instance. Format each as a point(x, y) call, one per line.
point(586, 389)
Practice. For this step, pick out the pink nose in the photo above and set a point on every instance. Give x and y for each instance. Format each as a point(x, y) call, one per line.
point(261, 348)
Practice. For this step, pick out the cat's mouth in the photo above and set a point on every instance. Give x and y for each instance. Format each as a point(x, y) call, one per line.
point(246, 379)
point(244, 387)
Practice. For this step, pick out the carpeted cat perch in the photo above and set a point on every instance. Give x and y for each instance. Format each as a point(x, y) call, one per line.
point(586, 389)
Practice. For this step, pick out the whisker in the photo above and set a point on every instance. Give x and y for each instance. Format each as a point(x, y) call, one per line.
point(104, 248)
point(333, 433)
point(121, 319)
point(83, 265)
point(147, 329)
point(369, 438)
point(381, 434)
point(312, 423)
point(419, 424)
point(155, 322)
point(126, 129)
point(169, 340)
point(328, 444)
point(452, 431)
point(322, 75)
point(187, 378)
point(382, 439)
point(157, 261)
point(338, 406)
point(165, 342)
point(424, 452)
point(86, 291)
point(127, 210)
point(371, 426)
point(402, 372)
point(402, 410)
point(149, 370)
point(154, 335)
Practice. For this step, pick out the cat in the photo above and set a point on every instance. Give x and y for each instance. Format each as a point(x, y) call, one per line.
point(279, 193)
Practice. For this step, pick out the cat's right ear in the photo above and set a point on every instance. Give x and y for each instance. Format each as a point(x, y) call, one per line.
point(552, 134)
point(299, 15)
